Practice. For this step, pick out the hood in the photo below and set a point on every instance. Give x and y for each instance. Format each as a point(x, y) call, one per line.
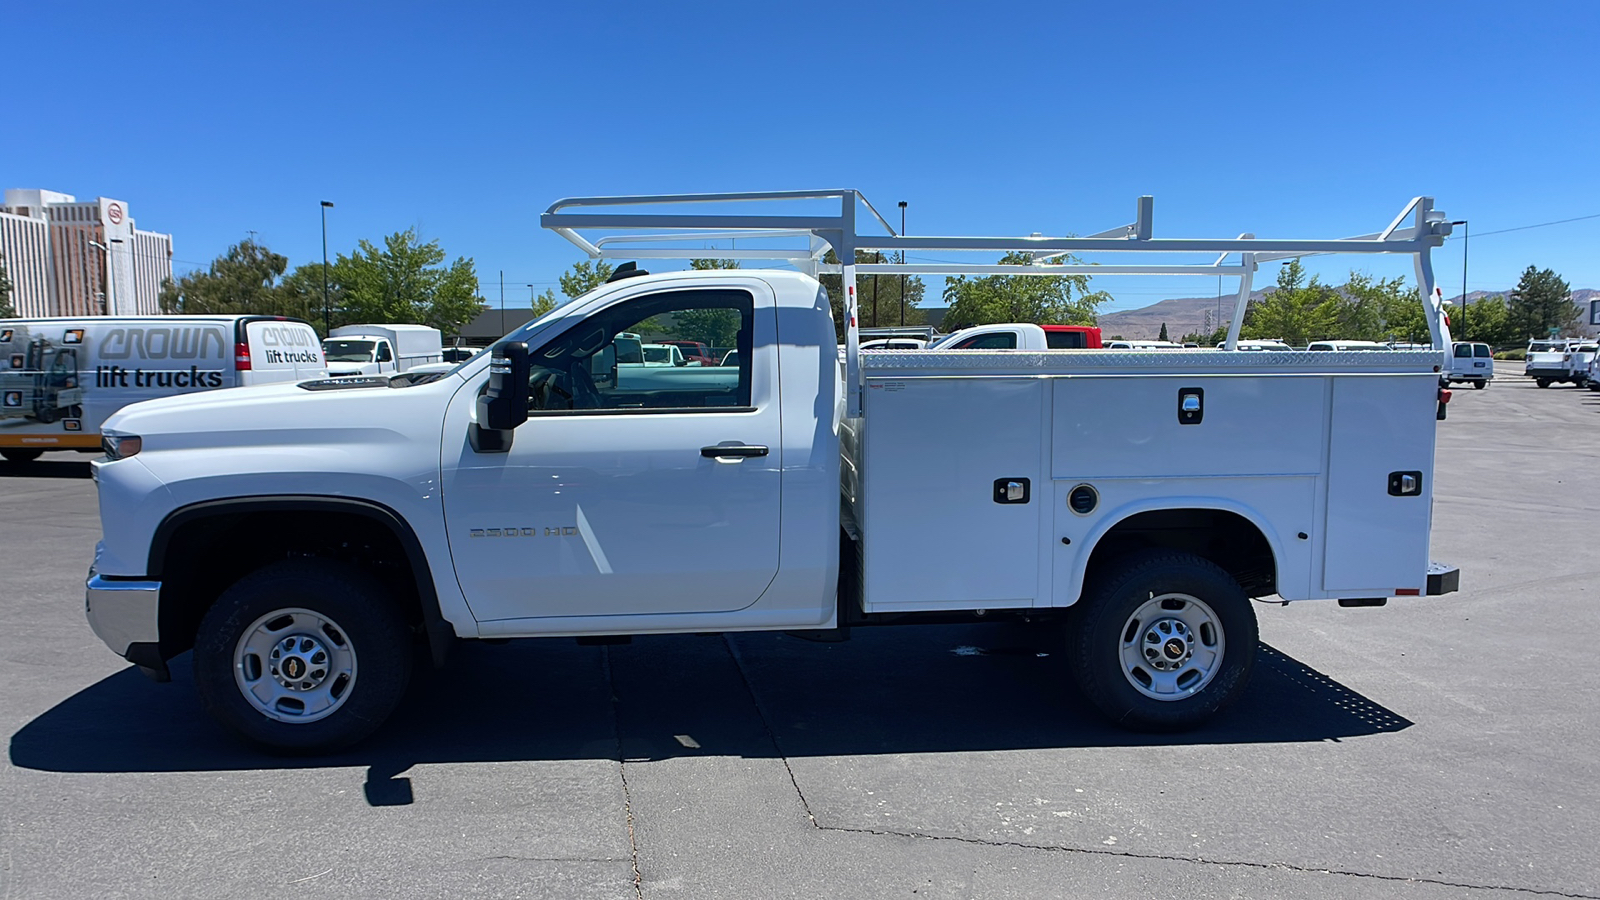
point(286, 414)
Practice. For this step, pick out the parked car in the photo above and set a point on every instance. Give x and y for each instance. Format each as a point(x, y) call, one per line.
point(1143, 345)
point(694, 352)
point(1471, 363)
point(1260, 345)
point(663, 355)
point(1579, 359)
point(891, 344)
point(1347, 345)
point(458, 354)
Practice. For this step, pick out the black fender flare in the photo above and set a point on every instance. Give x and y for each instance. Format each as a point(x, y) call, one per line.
point(440, 633)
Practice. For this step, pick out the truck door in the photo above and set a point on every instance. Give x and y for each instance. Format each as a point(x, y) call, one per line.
point(631, 489)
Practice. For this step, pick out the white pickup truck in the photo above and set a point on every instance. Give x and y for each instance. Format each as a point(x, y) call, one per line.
point(1549, 362)
point(302, 537)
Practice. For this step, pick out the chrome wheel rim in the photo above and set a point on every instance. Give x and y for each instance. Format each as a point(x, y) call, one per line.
point(1172, 646)
point(295, 666)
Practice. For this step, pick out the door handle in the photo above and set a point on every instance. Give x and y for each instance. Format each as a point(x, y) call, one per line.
point(740, 450)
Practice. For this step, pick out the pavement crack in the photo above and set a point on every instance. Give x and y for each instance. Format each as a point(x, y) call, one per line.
point(622, 769)
point(766, 726)
point(1199, 860)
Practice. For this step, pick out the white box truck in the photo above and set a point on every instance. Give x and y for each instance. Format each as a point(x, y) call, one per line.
point(61, 377)
point(381, 349)
point(301, 540)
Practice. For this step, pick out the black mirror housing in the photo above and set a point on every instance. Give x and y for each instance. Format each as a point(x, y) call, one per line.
point(504, 403)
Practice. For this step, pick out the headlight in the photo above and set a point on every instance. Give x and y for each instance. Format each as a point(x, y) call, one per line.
point(120, 446)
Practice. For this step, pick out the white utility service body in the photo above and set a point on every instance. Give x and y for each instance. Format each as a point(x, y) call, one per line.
point(1547, 361)
point(551, 490)
point(60, 378)
point(381, 349)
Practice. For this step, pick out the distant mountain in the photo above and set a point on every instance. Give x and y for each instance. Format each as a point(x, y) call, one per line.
point(1182, 315)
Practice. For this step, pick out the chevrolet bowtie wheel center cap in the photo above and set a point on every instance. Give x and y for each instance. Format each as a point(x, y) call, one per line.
point(1168, 644)
point(299, 662)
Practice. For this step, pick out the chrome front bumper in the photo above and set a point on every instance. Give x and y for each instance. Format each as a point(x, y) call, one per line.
point(123, 612)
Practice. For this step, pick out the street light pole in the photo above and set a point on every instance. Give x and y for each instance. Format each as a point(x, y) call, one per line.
point(327, 325)
point(109, 301)
point(1466, 242)
point(902, 262)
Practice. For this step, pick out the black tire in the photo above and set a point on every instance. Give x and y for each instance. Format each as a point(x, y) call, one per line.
point(1479, 385)
point(1104, 619)
point(1542, 382)
point(21, 455)
point(367, 619)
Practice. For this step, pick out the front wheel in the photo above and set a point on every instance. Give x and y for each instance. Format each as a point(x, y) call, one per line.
point(1163, 642)
point(304, 656)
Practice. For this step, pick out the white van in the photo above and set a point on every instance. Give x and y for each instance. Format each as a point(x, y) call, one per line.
point(1471, 362)
point(60, 378)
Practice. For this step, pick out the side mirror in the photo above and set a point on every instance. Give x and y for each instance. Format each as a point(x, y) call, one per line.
point(504, 404)
point(681, 362)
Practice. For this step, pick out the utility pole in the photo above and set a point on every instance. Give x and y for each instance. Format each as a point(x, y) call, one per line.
point(902, 262)
point(1466, 239)
point(502, 301)
point(327, 325)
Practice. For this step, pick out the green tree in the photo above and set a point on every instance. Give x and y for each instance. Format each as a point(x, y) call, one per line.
point(1040, 299)
point(406, 281)
point(544, 303)
point(881, 295)
point(585, 277)
point(242, 281)
point(1297, 312)
point(1487, 320)
point(706, 264)
point(301, 293)
point(6, 311)
point(1542, 301)
point(1163, 335)
point(1381, 309)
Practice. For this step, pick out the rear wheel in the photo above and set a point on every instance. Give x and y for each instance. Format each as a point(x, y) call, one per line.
point(1479, 385)
point(1542, 382)
point(23, 455)
point(1163, 642)
point(303, 656)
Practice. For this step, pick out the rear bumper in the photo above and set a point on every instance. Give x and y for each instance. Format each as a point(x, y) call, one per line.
point(1443, 579)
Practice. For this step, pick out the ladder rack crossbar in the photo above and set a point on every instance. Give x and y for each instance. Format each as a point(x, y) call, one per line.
point(838, 232)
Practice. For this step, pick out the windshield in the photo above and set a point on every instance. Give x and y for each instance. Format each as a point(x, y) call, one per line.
point(1546, 346)
point(348, 351)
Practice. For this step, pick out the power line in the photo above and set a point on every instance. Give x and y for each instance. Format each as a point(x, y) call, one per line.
point(1540, 225)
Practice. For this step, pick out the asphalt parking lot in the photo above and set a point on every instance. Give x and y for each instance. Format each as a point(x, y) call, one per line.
point(1437, 747)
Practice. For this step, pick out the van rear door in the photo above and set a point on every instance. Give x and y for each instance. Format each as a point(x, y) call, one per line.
point(278, 349)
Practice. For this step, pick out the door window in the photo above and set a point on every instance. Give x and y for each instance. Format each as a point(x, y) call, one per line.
point(1000, 341)
point(602, 364)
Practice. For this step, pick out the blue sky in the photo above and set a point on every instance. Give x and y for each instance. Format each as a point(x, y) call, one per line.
point(467, 120)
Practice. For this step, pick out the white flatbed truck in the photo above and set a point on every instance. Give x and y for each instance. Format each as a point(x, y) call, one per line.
point(301, 539)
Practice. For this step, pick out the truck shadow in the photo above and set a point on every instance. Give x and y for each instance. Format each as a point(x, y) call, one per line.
point(924, 689)
point(46, 468)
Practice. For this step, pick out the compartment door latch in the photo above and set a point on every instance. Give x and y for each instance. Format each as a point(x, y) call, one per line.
point(1011, 490)
point(1405, 484)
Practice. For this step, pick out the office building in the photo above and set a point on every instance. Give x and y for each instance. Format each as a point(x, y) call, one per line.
point(72, 258)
